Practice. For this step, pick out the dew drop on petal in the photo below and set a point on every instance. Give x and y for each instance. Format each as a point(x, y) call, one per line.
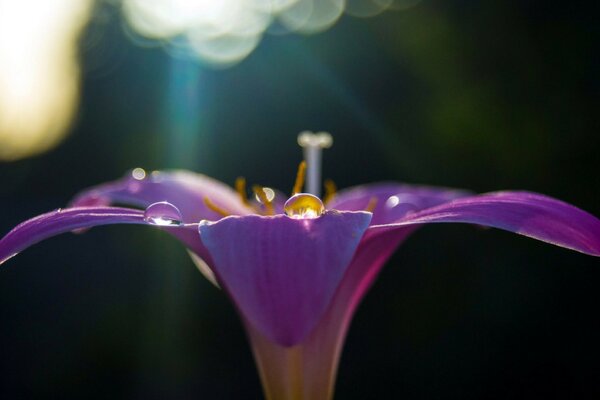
point(392, 201)
point(163, 214)
point(304, 206)
point(204, 222)
point(156, 176)
point(269, 193)
point(138, 174)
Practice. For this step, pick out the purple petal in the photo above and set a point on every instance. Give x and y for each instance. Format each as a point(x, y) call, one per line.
point(65, 220)
point(529, 214)
point(185, 190)
point(281, 272)
point(393, 200)
point(60, 221)
point(318, 354)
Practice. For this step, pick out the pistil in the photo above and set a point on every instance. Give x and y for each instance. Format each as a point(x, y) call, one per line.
point(313, 145)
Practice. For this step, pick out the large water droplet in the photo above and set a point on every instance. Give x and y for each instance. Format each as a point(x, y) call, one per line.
point(304, 206)
point(163, 214)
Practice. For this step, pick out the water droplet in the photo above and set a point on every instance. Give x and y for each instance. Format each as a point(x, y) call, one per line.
point(163, 214)
point(392, 201)
point(270, 193)
point(157, 176)
point(304, 206)
point(138, 173)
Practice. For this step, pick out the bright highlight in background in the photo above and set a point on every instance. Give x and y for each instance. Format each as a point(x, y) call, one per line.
point(38, 72)
point(224, 32)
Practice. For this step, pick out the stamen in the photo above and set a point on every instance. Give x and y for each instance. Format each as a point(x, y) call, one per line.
point(330, 190)
point(372, 204)
point(313, 145)
point(240, 187)
point(260, 193)
point(299, 178)
point(213, 207)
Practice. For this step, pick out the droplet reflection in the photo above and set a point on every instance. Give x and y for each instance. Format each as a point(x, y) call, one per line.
point(163, 214)
point(138, 173)
point(304, 206)
point(270, 193)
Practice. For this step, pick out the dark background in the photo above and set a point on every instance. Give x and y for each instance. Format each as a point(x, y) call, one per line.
point(482, 95)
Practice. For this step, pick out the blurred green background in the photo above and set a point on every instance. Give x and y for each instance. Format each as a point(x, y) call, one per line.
point(479, 95)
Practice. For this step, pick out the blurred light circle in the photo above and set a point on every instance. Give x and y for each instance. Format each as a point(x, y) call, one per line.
point(399, 4)
point(312, 16)
point(273, 6)
point(367, 8)
point(155, 19)
point(229, 29)
point(167, 18)
point(39, 73)
point(224, 50)
point(296, 16)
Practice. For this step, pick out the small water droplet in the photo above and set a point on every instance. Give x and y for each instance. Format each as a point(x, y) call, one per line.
point(138, 174)
point(392, 201)
point(304, 206)
point(270, 193)
point(163, 214)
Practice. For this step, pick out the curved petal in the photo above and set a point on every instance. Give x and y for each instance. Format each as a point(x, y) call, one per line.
point(392, 200)
point(65, 220)
point(529, 214)
point(60, 221)
point(185, 190)
point(317, 356)
point(281, 272)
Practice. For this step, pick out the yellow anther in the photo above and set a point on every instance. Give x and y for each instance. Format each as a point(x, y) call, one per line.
point(299, 178)
point(213, 207)
point(264, 199)
point(372, 204)
point(330, 190)
point(240, 187)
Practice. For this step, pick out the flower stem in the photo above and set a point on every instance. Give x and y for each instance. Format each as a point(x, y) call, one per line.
point(294, 373)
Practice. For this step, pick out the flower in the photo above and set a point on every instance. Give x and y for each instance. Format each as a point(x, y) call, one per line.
point(296, 269)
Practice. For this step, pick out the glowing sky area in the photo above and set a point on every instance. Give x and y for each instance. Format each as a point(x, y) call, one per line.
point(39, 74)
point(225, 32)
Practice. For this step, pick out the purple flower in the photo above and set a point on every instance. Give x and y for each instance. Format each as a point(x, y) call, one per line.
point(295, 269)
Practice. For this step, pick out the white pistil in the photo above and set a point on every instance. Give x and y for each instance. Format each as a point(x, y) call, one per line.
point(313, 145)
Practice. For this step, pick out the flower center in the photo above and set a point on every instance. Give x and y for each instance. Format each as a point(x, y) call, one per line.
point(300, 205)
point(304, 206)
